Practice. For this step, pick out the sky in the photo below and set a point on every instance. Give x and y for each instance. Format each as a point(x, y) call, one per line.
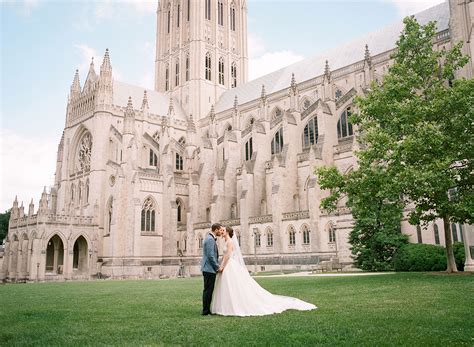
point(43, 42)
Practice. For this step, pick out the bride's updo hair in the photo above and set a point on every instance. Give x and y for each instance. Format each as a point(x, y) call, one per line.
point(230, 231)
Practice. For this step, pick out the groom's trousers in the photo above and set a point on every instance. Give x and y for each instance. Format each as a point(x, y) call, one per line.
point(209, 280)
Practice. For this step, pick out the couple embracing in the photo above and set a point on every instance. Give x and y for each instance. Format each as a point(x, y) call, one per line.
point(229, 290)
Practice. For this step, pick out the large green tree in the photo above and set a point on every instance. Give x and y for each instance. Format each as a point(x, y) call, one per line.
point(4, 220)
point(416, 131)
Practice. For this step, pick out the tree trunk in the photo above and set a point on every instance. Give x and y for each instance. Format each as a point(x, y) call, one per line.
point(449, 247)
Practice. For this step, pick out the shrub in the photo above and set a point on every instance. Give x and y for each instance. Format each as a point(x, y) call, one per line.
point(420, 257)
point(458, 248)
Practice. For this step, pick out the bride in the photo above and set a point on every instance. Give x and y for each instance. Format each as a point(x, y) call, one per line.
point(238, 294)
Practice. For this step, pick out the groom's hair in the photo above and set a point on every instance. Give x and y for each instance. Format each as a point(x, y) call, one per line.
point(230, 231)
point(216, 226)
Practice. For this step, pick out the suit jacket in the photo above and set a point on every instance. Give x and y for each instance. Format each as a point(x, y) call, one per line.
point(210, 255)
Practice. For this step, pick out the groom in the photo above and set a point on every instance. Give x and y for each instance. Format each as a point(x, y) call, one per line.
point(210, 265)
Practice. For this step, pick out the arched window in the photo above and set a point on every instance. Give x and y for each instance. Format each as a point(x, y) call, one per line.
point(110, 210)
point(310, 133)
point(277, 141)
point(179, 162)
point(178, 15)
point(189, 10)
point(221, 71)
point(257, 238)
point(208, 214)
point(344, 126)
point(187, 68)
point(208, 9)
point(179, 205)
point(232, 17)
point(220, 12)
point(233, 73)
point(169, 21)
point(73, 193)
point(248, 149)
point(167, 78)
point(269, 237)
point(208, 66)
point(148, 215)
point(306, 235)
point(79, 191)
point(455, 232)
point(84, 152)
point(292, 236)
point(436, 234)
point(176, 78)
point(200, 241)
point(418, 234)
point(233, 211)
point(153, 158)
point(87, 191)
point(332, 233)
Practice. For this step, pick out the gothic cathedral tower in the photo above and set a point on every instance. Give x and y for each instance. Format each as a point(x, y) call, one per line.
point(201, 51)
point(461, 25)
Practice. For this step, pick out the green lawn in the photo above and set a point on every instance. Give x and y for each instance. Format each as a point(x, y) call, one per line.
point(400, 309)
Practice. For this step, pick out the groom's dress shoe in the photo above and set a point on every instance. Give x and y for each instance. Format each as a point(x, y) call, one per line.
point(205, 313)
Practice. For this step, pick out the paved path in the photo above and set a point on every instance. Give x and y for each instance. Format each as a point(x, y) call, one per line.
point(335, 274)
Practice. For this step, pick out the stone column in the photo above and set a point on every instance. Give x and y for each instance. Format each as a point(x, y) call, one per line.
point(467, 233)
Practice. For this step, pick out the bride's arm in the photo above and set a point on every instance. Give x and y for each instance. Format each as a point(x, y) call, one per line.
point(230, 248)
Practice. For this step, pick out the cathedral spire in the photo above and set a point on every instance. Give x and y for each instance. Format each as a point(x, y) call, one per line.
point(129, 121)
point(327, 71)
point(31, 208)
point(145, 101)
point(367, 58)
point(263, 95)
point(106, 66)
point(76, 85)
point(91, 76)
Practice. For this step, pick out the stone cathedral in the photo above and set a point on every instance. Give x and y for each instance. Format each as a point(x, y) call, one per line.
point(141, 174)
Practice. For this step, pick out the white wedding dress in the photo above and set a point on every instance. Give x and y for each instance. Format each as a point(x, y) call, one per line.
point(236, 293)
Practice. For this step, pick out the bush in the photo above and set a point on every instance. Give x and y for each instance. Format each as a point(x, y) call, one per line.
point(458, 249)
point(420, 257)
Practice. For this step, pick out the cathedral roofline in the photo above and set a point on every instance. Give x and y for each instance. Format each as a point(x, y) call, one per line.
point(379, 41)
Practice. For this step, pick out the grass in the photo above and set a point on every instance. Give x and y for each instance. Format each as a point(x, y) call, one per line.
point(397, 309)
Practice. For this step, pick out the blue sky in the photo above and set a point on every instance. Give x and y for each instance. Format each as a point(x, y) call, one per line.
point(42, 43)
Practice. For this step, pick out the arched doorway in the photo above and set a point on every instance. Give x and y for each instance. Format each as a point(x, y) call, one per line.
point(55, 255)
point(79, 260)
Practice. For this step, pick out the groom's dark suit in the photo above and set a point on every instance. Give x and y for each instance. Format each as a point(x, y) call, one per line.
point(209, 267)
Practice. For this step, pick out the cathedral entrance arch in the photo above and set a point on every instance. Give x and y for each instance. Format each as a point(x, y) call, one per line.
point(79, 260)
point(55, 255)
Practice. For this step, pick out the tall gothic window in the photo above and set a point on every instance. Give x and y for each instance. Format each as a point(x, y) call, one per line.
point(344, 126)
point(277, 142)
point(179, 162)
point(332, 233)
point(176, 79)
point(455, 232)
point(220, 12)
point(178, 15)
point(208, 66)
point(257, 239)
point(189, 10)
point(232, 18)
point(208, 9)
point(233, 73)
point(148, 215)
point(187, 68)
point(167, 78)
point(73, 192)
point(200, 240)
point(292, 236)
point(169, 21)
point(110, 209)
point(221, 71)
point(269, 237)
point(436, 234)
point(248, 149)
point(87, 191)
point(84, 153)
point(306, 235)
point(310, 133)
point(179, 206)
point(153, 158)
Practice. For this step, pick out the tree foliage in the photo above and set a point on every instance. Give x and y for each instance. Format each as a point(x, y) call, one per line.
point(4, 220)
point(416, 134)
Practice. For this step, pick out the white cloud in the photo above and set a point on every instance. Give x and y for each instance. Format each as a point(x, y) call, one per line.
point(271, 61)
point(409, 7)
point(256, 46)
point(24, 7)
point(27, 164)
